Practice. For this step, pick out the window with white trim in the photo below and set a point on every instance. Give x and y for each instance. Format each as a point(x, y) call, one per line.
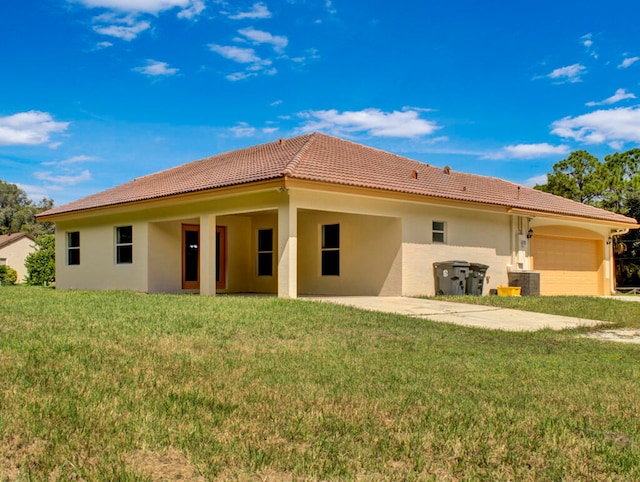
point(438, 231)
point(330, 250)
point(73, 248)
point(124, 245)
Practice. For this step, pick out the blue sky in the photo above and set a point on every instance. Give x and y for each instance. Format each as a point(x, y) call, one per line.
point(94, 93)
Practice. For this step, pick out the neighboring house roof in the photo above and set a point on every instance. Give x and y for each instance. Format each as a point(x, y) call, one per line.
point(322, 158)
point(7, 239)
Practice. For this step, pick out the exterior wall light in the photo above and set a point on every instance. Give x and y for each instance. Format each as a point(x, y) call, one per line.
point(609, 240)
point(530, 233)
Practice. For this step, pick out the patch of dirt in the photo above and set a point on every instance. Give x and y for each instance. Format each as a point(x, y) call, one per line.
point(620, 336)
point(15, 452)
point(167, 466)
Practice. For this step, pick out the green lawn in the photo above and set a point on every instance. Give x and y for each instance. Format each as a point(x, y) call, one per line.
point(126, 386)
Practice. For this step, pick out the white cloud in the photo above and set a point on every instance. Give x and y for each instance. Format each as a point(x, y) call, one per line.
point(123, 27)
point(621, 94)
point(532, 181)
point(240, 76)
point(68, 180)
point(71, 160)
point(587, 40)
point(146, 6)
point(195, 9)
point(533, 151)
point(372, 121)
point(237, 54)
point(155, 68)
point(103, 45)
point(28, 128)
point(260, 37)
point(258, 10)
point(611, 126)
point(243, 130)
point(570, 73)
point(628, 62)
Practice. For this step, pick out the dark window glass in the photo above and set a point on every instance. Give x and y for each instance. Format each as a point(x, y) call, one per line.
point(330, 250)
point(125, 254)
point(265, 240)
point(125, 235)
point(331, 263)
point(265, 264)
point(74, 239)
point(331, 236)
point(191, 240)
point(265, 252)
point(73, 248)
point(124, 245)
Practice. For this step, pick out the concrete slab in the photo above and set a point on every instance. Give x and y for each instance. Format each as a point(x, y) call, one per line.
point(459, 313)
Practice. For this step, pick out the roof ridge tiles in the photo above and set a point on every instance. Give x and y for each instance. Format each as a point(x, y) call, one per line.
point(295, 160)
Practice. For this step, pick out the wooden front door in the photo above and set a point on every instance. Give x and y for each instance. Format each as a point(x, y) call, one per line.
point(191, 257)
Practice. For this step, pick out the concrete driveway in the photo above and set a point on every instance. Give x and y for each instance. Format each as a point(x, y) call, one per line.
point(459, 313)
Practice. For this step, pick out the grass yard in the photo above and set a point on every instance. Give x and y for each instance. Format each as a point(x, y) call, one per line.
point(127, 386)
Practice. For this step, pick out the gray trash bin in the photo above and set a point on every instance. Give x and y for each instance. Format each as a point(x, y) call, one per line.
point(475, 282)
point(451, 277)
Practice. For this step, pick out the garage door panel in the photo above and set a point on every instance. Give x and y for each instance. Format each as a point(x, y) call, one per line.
point(567, 266)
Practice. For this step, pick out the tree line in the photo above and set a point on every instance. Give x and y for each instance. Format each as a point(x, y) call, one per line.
point(611, 184)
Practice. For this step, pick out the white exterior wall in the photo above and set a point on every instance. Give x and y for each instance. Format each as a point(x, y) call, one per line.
point(15, 255)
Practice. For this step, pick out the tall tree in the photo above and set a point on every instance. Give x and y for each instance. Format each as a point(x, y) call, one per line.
point(18, 212)
point(620, 175)
point(576, 178)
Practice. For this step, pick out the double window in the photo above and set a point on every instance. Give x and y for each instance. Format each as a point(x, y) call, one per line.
point(330, 250)
point(265, 252)
point(124, 245)
point(73, 248)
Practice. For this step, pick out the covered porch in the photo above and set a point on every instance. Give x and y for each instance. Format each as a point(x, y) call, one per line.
point(285, 251)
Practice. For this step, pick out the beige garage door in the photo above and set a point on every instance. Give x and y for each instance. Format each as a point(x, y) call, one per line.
point(567, 266)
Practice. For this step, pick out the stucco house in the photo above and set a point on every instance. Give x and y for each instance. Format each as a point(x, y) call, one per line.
point(316, 214)
point(14, 249)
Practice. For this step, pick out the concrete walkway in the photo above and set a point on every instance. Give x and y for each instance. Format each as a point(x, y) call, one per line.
point(459, 313)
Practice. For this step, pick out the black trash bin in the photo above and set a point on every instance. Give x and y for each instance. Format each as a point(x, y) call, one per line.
point(475, 282)
point(451, 277)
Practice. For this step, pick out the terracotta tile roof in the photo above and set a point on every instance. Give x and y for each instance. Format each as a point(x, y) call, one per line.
point(7, 239)
point(322, 158)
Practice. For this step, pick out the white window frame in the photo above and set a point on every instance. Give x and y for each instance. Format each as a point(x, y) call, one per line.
point(122, 245)
point(72, 248)
point(442, 232)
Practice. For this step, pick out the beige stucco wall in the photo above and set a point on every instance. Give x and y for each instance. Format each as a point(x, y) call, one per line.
point(370, 254)
point(386, 244)
point(98, 269)
point(471, 235)
point(15, 255)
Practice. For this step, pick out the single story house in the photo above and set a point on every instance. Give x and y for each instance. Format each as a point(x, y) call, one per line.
point(14, 249)
point(320, 215)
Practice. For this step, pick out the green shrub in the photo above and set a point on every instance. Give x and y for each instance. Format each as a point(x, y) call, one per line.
point(41, 264)
point(8, 275)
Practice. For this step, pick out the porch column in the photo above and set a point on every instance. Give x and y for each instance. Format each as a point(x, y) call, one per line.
point(208, 254)
point(288, 251)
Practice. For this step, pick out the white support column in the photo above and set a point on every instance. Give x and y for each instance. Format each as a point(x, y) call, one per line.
point(288, 250)
point(208, 254)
